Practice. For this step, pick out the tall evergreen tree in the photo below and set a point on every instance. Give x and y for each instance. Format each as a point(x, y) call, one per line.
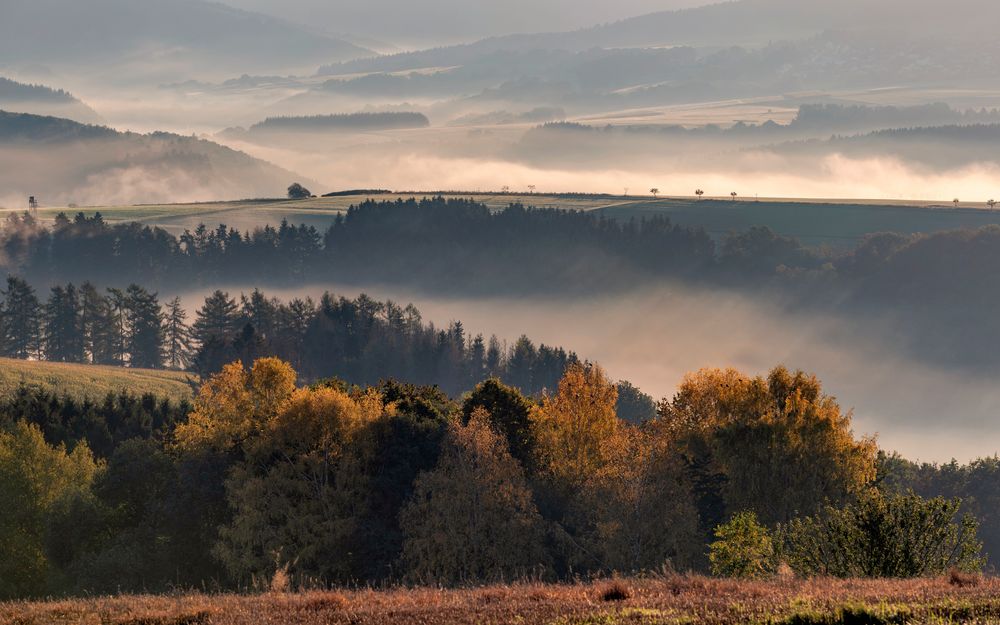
point(22, 320)
point(64, 326)
point(97, 325)
point(146, 333)
point(178, 336)
point(218, 319)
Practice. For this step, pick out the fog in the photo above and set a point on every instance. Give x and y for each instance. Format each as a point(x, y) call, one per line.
point(705, 98)
point(654, 337)
point(407, 24)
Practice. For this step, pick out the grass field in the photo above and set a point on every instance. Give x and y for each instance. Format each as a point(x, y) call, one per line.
point(838, 223)
point(91, 380)
point(673, 600)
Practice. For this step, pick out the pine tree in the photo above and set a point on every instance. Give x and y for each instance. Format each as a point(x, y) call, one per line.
point(97, 327)
point(218, 319)
point(64, 326)
point(117, 326)
point(178, 336)
point(22, 320)
point(146, 333)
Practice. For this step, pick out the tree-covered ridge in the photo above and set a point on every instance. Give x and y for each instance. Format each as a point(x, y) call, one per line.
point(360, 340)
point(331, 483)
point(344, 121)
point(460, 246)
point(26, 127)
point(11, 90)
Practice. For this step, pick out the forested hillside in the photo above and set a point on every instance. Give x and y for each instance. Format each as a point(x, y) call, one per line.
point(337, 484)
point(461, 247)
point(86, 164)
point(41, 100)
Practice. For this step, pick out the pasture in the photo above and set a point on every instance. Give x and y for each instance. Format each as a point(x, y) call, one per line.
point(92, 381)
point(834, 223)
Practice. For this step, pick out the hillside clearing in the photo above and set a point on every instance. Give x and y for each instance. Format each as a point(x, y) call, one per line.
point(92, 381)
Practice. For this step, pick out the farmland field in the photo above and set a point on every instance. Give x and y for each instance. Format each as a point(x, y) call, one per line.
point(91, 380)
point(670, 600)
point(814, 222)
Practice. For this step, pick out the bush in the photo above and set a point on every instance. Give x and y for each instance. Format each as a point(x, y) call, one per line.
point(897, 536)
point(743, 548)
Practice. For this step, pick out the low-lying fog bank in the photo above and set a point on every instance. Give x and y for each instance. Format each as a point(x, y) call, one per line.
point(653, 338)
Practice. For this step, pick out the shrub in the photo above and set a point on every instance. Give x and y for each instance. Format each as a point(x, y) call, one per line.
point(896, 536)
point(743, 548)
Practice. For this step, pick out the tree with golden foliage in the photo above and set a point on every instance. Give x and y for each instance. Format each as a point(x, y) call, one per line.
point(290, 511)
point(34, 478)
point(780, 446)
point(573, 429)
point(236, 404)
point(637, 511)
point(472, 518)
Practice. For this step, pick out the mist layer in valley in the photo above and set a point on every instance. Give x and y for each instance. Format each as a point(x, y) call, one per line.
point(653, 337)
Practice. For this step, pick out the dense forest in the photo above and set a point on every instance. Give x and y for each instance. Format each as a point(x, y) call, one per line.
point(459, 246)
point(333, 483)
point(350, 121)
point(361, 341)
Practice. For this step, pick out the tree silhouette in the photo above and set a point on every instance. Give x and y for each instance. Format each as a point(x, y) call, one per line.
point(298, 192)
point(734, 194)
point(654, 191)
point(991, 204)
point(699, 193)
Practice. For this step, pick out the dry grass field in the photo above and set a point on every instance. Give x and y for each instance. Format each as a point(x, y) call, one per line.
point(91, 380)
point(669, 600)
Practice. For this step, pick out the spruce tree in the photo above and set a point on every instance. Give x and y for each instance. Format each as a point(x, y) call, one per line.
point(146, 333)
point(218, 319)
point(178, 336)
point(97, 325)
point(21, 320)
point(63, 338)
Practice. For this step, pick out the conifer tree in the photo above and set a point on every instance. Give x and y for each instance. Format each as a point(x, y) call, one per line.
point(178, 336)
point(22, 320)
point(146, 333)
point(217, 319)
point(63, 337)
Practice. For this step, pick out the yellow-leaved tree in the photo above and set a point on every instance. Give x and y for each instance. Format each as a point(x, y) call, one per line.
point(572, 430)
point(292, 503)
point(778, 446)
point(236, 404)
point(637, 513)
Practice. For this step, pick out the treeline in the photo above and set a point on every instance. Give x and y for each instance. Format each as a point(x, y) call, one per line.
point(349, 121)
point(460, 246)
point(341, 484)
point(359, 340)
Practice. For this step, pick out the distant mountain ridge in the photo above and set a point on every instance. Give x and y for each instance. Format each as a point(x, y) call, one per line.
point(157, 33)
point(725, 24)
point(67, 162)
point(42, 100)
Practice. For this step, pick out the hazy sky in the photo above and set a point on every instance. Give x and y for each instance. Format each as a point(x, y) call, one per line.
point(419, 22)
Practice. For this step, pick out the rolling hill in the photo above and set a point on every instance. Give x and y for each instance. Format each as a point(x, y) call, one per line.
point(41, 100)
point(153, 36)
point(65, 162)
point(92, 380)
